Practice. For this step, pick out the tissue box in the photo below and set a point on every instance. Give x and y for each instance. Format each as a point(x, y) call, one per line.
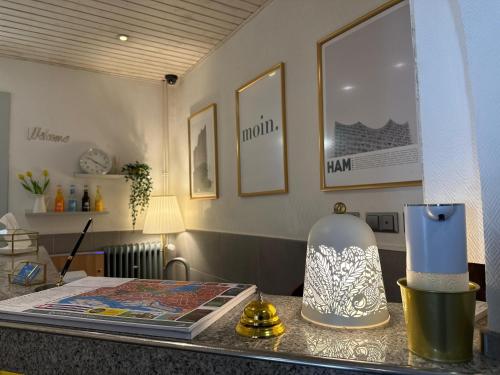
point(18, 241)
point(17, 245)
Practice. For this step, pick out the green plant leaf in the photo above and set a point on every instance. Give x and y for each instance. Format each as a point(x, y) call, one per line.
point(140, 189)
point(45, 185)
point(27, 187)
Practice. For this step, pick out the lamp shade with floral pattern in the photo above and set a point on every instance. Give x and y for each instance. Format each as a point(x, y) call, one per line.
point(343, 285)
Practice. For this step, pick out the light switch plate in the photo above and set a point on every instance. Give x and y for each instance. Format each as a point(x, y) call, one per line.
point(372, 221)
point(386, 222)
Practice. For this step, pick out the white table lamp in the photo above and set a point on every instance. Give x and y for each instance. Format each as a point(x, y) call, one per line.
point(163, 216)
point(343, 284)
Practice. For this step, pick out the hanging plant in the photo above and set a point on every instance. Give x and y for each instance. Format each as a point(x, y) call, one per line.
point(140, 189)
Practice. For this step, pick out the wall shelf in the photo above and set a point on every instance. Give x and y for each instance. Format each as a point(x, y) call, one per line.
point(99, 176)
point(66, 213)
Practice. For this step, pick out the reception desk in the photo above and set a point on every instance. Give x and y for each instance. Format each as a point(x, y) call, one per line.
point(303, 349)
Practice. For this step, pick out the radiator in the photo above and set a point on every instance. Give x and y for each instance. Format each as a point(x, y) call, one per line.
point(140, 260)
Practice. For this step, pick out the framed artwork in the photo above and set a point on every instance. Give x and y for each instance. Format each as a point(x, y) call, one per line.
point(261, 134)
point(367, 105)
point(202, 133)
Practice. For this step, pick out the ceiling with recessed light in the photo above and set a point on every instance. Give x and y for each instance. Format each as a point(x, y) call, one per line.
point(164, 36)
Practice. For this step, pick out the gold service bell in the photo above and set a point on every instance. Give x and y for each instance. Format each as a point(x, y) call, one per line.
point(260, 320)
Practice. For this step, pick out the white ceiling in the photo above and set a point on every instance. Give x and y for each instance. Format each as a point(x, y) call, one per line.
point(165, 36)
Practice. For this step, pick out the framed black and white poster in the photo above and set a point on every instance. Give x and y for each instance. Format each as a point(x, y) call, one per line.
point(261, 134)
point(367, 103)
point(202, 133)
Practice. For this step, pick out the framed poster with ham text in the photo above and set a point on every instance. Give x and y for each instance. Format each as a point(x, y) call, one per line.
point(367, 103)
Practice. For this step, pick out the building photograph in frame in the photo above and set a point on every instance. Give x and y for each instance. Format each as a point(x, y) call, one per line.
point(367, 103)
point(261, 134)
point(202, 133)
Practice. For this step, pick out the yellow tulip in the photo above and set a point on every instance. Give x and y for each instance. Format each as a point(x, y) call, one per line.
point(29, 174)
point(21, 176)
point(45, 173)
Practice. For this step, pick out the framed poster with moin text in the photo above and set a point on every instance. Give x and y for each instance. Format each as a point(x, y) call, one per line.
point(367, 104)
point(202, 134)
point(261, 134)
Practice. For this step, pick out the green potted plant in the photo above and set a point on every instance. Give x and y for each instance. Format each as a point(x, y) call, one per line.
point(140, 189)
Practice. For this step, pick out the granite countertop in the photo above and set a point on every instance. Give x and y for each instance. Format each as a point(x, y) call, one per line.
point(376, 349)
point(380, 350)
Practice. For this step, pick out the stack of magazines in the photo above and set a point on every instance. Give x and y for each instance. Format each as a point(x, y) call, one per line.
point(159, 308)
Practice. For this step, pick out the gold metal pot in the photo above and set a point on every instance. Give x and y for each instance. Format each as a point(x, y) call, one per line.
point(440, 325)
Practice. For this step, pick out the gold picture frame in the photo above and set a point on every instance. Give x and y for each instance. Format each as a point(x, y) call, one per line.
point(320, 84)
point(208, 113)
point(280, 108)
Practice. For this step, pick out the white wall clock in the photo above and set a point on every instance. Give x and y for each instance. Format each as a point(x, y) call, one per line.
point(95, 161)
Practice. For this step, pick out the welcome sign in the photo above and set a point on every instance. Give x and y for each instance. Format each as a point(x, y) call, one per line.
point(261, 127)
point(40, 134)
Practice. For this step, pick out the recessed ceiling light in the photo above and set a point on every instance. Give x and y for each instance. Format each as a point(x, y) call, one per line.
point(399, 65)
point(123, 37)
point(347, 88)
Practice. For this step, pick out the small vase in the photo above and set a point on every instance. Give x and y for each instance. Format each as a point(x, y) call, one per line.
point(39, 205)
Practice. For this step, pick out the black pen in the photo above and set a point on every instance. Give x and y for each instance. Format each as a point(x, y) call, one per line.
point(60, 282)
point(73, 253)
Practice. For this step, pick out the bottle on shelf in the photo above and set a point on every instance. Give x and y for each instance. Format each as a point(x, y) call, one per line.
point(72, 201)
point(85, 199)
point(59, 201)
point(99, 202)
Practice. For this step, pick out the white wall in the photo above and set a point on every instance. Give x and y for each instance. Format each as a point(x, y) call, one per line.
point(120, 116)
point(481, 31)
point(449, 152)
point(286, 30)
point(458, 61)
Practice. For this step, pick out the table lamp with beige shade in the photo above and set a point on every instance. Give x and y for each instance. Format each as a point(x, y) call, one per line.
point(164, 217)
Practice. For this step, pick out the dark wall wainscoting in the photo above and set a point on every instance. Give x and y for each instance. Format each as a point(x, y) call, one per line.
point(275, 265)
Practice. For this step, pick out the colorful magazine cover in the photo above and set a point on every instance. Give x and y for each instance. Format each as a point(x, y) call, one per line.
point(167, 308)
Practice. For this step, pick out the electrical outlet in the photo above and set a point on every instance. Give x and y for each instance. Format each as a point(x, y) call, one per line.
point(386, 223)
